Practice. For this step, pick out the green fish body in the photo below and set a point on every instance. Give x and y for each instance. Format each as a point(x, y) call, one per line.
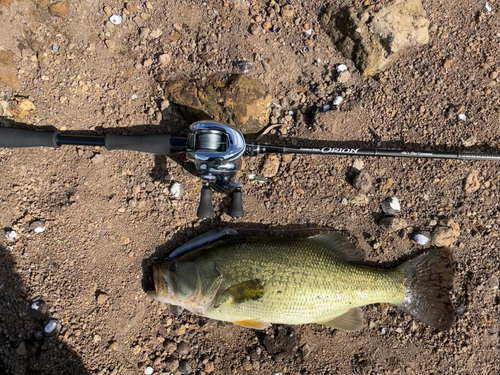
point(255, 282)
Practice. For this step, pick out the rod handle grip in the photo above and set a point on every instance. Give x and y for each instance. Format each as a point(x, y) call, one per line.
point(154, 144)
point(13, 138)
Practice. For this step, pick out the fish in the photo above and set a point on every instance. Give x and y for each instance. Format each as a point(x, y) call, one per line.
point(255, 282)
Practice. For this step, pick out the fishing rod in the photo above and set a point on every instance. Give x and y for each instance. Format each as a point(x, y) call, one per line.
point(215, 149)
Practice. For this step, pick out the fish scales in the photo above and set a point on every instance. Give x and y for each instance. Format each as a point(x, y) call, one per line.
point(303, 282)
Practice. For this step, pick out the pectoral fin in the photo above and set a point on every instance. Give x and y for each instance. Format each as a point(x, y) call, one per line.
point(254, 324)
point(350, 321)
point(249, 290)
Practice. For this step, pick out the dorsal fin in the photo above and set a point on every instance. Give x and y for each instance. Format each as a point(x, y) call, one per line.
point(339, 244)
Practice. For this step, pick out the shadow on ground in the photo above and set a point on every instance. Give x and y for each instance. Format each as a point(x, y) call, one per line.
point(22, 350)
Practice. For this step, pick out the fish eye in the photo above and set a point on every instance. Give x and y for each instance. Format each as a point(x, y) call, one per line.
point(173, 267)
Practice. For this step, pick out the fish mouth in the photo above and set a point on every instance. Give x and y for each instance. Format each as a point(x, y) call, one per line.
point(164, 286)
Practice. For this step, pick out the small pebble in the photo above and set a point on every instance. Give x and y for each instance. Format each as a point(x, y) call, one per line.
point(38, 305)
point(266, 64)
point(102, 298)
point(185, 368)
point(421, 238)
point(309, 32)
point(156, 33)
point(275, 28)
point(267, 25)
point(182, 348)
point(383, 331)
point(391, 206)
point(176, 190)
point(254, 29)
point(344, 201)
point(209, 367)
point(11, 235)
point(343, 77)
point(113, 345)
point(338, 100)
point(165, 59)
point(37, 226)
point(21, 349)
point(493, 283)
point(363, 181)
point(326, 107)
point(462, 117)
point(134, 97)
point(306, 350)
point(97, 159)
point(242, 65)
point(287, 11)
point(115, 19)
point(393, 224)
point(487, 7)
point(148, 371)
point(176, 310)
point(358, 164)
point(52, 327)
point(341, 68)
point(461, 309)
point(55, 48)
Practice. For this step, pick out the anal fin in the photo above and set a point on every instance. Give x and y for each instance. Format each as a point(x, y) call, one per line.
point(350, 321)
point(254, 324)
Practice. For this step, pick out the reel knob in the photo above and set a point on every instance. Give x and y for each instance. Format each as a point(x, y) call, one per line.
point(236, 209)
point(206, 207)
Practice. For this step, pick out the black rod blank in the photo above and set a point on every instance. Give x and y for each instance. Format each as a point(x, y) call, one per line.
point(256, 149)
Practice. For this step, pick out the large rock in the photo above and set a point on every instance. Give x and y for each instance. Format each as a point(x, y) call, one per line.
point(18, 108)
point(377, 37)
point(59, 9)
point(446, 233)
point(8, 69)
point(6, 3)
point(238, 100)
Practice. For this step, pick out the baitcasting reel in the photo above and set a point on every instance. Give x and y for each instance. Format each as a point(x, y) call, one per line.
point(216, 150)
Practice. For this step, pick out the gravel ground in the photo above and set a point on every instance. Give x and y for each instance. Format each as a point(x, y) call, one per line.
point(106, 212)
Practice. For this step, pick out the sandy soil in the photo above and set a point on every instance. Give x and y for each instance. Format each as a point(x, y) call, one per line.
point(106, 215)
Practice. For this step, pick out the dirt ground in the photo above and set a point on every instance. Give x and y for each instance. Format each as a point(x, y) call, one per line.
point(106, 212)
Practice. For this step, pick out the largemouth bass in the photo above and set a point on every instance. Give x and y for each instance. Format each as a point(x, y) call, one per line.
point(255, 282)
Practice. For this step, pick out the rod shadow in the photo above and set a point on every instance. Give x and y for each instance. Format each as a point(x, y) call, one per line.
point(23, 347)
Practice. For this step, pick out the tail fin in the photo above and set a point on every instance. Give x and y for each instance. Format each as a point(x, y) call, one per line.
point(428, 279)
